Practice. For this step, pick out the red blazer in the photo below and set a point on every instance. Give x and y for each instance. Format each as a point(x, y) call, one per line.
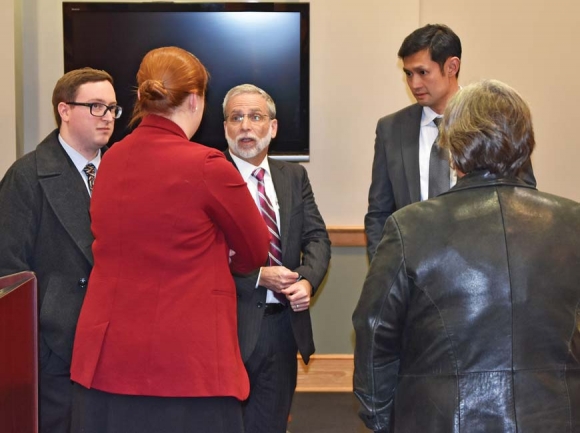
point(159, 316)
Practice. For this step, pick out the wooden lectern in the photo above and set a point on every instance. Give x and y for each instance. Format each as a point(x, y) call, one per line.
point(18, 354)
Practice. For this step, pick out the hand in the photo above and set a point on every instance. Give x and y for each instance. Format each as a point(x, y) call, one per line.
point(298, 295)
point(231, 254)
point(277, 278)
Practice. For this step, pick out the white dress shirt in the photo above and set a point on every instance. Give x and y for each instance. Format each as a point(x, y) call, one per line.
point(246, 169)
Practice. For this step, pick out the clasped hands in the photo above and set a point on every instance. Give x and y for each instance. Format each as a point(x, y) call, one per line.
point(282, 280)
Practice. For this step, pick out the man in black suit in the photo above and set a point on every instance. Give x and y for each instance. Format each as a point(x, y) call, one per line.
point(44, 215)
point(431, 60)
point(273, 303)
point(408, 165)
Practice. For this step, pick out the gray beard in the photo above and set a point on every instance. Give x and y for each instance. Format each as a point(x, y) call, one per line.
point(261, 144)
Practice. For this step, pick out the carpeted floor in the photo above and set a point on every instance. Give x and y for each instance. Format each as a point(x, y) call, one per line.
point(325, 412)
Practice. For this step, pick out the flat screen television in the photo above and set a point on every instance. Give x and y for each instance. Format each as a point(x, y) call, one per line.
point(266, 44)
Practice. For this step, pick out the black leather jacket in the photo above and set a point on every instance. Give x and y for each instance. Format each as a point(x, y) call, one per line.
point(469, 319)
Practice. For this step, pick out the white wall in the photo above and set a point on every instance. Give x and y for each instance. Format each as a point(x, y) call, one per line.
point(531, 45)
point(8, 143)
point(356, 78)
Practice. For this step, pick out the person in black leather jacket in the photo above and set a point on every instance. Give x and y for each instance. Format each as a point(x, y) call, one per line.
point(469, 319)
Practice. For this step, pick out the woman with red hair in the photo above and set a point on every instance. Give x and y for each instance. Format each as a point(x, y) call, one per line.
point(156, 344)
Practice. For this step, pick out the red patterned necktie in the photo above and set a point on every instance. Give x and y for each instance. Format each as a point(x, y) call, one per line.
point(90, 170)
point(269, 215)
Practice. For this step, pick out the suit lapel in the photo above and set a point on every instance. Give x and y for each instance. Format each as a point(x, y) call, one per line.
point(283, 189)
point(409, 130)
point(229, 158)
point(65, 192)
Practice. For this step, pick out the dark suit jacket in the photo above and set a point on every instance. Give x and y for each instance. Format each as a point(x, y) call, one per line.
point(395, 176)
point(44, 215)
point(305, 249)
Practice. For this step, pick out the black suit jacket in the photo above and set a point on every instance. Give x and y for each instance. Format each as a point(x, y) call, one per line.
point(395, 174)
point(44, 216)
point(305, 249)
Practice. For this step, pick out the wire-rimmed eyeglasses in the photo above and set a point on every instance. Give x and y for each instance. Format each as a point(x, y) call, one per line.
point(98, 109)
point(238, 118)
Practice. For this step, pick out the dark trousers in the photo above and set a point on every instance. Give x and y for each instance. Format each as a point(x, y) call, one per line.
point(96, 411)
point(272, 369)
point(55, 392)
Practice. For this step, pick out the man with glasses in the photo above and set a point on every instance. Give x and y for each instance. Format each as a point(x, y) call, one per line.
point(44, 215)
point(273, 303)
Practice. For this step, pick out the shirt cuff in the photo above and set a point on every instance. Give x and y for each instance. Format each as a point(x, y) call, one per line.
point(258, 280)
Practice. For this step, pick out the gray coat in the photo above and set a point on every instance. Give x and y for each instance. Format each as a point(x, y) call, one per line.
point(45, 224)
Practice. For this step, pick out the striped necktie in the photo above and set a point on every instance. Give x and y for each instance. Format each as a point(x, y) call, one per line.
point(90, 170)
point(269, 215)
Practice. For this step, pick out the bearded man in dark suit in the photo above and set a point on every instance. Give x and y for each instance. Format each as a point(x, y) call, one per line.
point(273, 303)
point(44, 215)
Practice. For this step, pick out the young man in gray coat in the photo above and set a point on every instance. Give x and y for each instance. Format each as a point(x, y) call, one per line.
point(44, 215)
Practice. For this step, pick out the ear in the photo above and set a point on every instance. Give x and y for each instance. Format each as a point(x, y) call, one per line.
point(274, 127)
point(193, 102)
point(452, 67)
point(64, 111)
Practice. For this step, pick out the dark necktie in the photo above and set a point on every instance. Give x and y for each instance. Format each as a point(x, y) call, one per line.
point(90, 170)
point(438, 167)
point(269, 215)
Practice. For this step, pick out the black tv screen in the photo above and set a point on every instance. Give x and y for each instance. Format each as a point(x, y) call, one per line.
point(266, 44)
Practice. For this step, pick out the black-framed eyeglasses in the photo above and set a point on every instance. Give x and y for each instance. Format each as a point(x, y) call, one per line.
point(98, 109)
point(238, 118)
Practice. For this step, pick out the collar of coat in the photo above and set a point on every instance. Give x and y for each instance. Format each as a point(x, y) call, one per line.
point(484, 178)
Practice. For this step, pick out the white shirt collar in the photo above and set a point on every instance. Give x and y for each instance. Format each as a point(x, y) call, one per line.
point(428, 116)
point(78, 160)
point(246, 169)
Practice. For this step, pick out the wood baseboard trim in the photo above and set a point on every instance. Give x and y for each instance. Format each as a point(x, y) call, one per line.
point(325, 373)
point(344, 236)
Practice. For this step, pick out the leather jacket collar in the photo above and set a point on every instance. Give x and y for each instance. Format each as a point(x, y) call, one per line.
point(484, 178)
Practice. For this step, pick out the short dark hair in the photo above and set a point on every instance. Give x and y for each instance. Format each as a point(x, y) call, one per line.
point(439, 39)
point(67, 86)
point(488, 126)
